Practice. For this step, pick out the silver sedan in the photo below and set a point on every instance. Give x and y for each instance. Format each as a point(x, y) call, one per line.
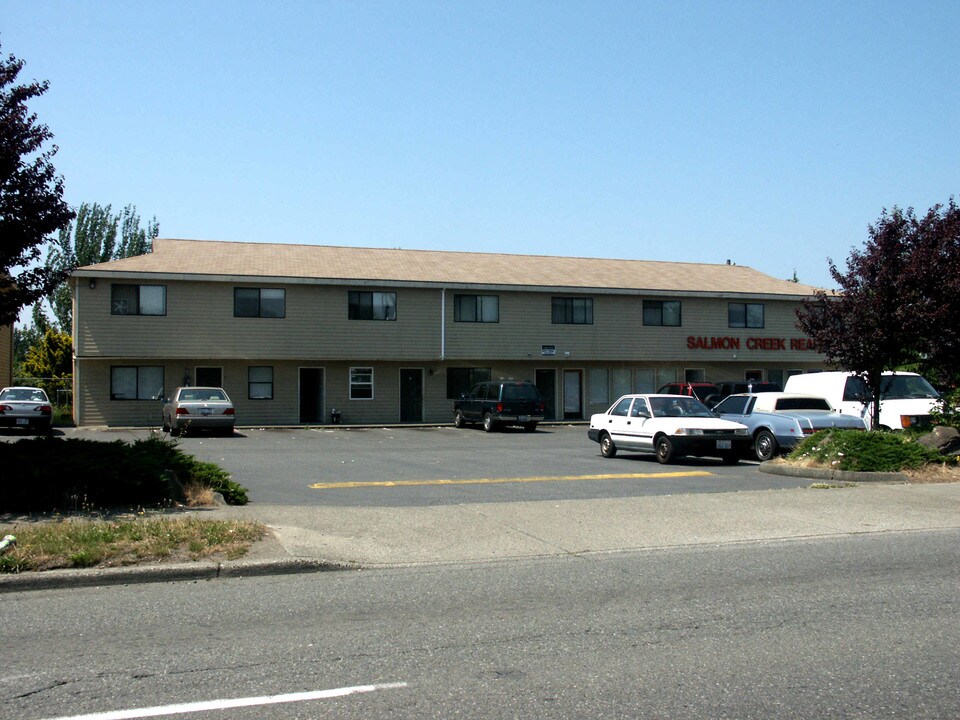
point(198, 408)
point(25, 407)
point(778, 421)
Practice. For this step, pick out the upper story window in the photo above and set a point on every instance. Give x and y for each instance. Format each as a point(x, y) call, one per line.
point(476, 308)
point(572, 311)
point(661, 312)
point(138, 299)
point(745, 315)
point(372, 305)
point(259, 302)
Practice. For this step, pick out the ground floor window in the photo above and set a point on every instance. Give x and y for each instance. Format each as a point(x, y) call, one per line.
point(645, 380)
point(361, 383)
point(598, 386)
point(136, 383)
point(461, 379)
point(260, 382)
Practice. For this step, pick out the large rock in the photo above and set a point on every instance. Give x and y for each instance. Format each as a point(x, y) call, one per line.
point(945, 440)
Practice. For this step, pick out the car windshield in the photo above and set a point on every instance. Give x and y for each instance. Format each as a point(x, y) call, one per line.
point(678, 407)
point(734, 405)
point(901, 387)
point(892, 387)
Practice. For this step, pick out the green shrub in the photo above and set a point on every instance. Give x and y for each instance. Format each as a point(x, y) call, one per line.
point(947, 410)
point(46, 473)
point(865, 451)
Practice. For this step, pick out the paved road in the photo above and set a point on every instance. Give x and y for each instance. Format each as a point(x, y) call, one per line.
point(862, 626)
point(443, 465)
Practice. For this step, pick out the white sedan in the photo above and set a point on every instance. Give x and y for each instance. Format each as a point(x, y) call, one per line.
point(668, 426)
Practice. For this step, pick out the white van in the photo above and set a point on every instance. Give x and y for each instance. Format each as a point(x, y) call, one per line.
point(906, 399)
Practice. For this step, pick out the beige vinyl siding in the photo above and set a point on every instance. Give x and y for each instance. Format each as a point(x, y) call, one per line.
point(200, 323)
point(6, 355)
point(617, 332)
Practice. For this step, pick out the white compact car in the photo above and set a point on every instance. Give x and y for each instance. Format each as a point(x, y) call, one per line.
point(668, 426)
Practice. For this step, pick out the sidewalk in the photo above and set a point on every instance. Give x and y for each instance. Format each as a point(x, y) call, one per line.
point(309, 539)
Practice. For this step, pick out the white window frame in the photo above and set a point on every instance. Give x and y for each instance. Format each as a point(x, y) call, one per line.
point(355, 382)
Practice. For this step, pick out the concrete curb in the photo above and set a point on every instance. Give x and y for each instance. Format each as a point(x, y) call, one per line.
point(772, 467)
point(201, 570)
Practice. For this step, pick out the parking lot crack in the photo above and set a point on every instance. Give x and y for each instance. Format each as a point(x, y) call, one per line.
point(519, 530)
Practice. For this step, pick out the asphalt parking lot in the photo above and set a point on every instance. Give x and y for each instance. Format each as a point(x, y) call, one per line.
point(422, 466)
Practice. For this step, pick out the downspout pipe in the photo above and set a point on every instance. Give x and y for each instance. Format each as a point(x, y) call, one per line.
point(443, 324)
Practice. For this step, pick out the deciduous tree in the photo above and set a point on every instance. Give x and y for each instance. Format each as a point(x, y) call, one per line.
point(898, 301)
point(31, 195)
point(93, 239)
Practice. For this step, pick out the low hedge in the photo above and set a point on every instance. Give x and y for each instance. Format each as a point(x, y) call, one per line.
point(865, 451)
point(47, 473)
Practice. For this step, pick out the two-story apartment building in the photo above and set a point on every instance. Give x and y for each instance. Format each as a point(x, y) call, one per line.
point(294, 332)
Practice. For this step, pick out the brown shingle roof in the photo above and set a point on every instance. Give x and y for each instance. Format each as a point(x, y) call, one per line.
point(322, 262)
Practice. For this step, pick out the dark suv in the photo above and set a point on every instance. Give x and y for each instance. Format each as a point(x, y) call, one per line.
point(500, 403)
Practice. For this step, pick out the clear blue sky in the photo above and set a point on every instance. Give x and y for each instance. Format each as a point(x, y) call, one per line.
point(767, 133)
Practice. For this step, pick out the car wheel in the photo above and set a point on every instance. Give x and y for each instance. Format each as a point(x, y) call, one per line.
point(458, 419)
point(664, 450)
point(607, 448)
point(731, 459)
point(488, 423)
point(165, 426)
point(530, 427)
point(765, 446)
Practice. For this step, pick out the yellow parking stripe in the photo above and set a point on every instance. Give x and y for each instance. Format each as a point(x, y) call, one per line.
point(489, 481)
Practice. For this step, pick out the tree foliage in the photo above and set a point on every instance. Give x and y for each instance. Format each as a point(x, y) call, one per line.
point(31, 195)
point(93, 239)
point(898, 301)
point(51, 357)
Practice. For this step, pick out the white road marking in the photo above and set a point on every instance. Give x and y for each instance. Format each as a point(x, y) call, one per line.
point(162, 710)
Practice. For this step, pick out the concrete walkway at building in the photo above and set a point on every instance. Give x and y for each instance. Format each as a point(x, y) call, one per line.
point(305, 539)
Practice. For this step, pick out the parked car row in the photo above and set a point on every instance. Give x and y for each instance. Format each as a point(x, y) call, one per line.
point(747, 424)
point(712, 393)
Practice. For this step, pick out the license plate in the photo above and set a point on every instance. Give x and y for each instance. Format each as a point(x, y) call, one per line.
point(523, 418)
point(724, 444)
point(205, 411)
point(22, 421)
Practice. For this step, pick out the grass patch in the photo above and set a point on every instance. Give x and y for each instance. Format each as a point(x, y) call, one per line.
point(864, 451)
point(86, 543)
